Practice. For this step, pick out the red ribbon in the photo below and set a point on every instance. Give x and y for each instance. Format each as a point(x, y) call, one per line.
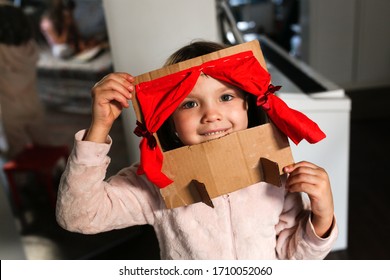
point(160, 97)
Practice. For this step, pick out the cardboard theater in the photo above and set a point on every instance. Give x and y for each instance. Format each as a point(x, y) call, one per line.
point(199, 173)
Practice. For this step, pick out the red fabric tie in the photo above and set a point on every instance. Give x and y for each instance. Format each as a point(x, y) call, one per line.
point(141, 131)
point(160, 97)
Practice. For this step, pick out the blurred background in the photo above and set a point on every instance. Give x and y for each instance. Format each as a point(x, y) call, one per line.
point(331, 57)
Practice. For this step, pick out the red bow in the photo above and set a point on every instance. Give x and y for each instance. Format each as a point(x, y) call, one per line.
point(262, 100)
point(160, 97)
point(141, 131)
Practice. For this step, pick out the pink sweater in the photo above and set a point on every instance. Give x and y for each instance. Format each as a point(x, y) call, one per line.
point(258, 222)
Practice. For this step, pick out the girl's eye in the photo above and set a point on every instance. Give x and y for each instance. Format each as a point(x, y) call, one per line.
point(189, 105)
point(226, 97)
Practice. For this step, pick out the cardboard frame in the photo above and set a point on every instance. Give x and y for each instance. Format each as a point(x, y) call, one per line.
point(204, 171)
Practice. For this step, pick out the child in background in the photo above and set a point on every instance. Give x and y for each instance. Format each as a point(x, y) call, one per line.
point(22, 111)
point(60, 30)
point(257, 222)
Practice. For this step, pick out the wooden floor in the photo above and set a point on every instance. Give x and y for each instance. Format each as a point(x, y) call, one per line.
point(369, 192)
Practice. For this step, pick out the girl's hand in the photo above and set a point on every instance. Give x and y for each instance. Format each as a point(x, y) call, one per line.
point(109, 96)
point(313, 180)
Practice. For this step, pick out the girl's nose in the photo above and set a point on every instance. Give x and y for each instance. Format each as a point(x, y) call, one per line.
point(211, 114)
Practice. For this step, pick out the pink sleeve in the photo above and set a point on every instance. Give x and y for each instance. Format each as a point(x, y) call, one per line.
point(296, 236)
point(88, 203)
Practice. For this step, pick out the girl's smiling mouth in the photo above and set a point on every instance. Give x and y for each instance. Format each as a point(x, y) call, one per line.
point(215, 132)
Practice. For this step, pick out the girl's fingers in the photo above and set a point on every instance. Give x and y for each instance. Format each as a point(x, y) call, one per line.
point(126, 79)
point(119, 76)
point(307, 177)
point(121, 82)
point(110, 95)
point(306, 187)
point(304, 178)
point(112, 85)
point(126, 76)
point(291, 167)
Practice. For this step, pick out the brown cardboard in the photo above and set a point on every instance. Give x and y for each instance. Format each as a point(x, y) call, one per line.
point(210, 169)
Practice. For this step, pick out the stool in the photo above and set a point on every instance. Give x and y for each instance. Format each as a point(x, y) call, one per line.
point(40, 160)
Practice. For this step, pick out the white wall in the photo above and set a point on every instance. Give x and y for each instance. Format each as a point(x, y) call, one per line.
point(143, 33)
point(373, 41)
point(328, 37)
point(347, 41)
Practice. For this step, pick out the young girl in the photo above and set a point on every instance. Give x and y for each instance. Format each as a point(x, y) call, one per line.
point(258, 222)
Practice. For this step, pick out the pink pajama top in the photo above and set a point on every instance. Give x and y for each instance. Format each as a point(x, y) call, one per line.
point(261, 221)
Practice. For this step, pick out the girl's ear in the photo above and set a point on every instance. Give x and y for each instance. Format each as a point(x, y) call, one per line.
point(176, 137)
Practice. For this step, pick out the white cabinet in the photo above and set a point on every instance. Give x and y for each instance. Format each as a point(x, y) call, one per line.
point(305, 90)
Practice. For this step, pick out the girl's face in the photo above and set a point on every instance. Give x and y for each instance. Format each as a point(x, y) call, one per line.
point(213, 109)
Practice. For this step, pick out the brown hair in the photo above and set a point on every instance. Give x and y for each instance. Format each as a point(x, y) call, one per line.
point(15, 26)
point(192, 50)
